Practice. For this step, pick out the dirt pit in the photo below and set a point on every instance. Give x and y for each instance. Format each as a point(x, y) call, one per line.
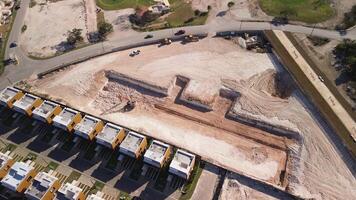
point(48, 23)
point(238, 147)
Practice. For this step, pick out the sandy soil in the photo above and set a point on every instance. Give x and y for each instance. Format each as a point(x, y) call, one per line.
point(120, 21)
point(90, 16)
point(232, 151)
point(233, 189)
point(48, 24)
point(217, 61)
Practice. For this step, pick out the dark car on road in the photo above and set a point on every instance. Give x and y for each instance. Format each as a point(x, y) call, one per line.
point(148, 36)
point(13, 44)
point(180, 32)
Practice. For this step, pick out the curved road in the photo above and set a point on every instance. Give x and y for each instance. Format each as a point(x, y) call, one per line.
point(28, 66)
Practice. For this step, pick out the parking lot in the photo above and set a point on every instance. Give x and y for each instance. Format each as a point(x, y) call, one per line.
point(27, 138)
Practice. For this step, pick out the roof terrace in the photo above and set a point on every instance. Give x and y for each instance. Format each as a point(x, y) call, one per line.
point(16, 175)
point(86, 126)
point(40, 185)
point(69, 191)
point(155, 153)
point(25, 102)
point(182, 162)
point(109, 133)
point(65, 117)
point(131, 142)
point(45, 109)
point(7, 94)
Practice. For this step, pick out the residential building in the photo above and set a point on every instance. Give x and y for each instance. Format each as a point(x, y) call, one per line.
point(88, 127)
point(98, 196)
point(70, 191)
point(43, 187)
point(47, 111)
point(27, 104)
point(19, 177)
point(111, 135)
point(9, 95)
point(182, 164)
point(157, 154)
point(67, 119)
point(133, 145)
point(6, 162)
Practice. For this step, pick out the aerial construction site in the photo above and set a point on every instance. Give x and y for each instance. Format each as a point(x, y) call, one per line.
point(236, 108)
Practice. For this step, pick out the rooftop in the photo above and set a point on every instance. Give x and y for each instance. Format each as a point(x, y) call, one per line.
point(26, 101)
point(97, 196)
point(65, 117)
point(3, 159)
point(41, 183)
point(8, 93)
point(109, 133)
point(182, 161)
point(132, 141)
point(87, 124)
point(16, 175)
point(45, 109)
point(68, 191)
point(156, 151)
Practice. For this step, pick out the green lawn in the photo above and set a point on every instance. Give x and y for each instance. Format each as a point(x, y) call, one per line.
point(183, 14)
point(309, 11)
point(122, 4)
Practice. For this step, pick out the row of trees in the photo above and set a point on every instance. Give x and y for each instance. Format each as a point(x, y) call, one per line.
point(75, 35)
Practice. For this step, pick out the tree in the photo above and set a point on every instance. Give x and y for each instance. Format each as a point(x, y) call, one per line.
point(230, 4)
point(197, 12)
point(209, 8)
point(104, 29)
point(74, 36)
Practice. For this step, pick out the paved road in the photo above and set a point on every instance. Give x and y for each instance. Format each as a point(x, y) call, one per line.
point(28, 66)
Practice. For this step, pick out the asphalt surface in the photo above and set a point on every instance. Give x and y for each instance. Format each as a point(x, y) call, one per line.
point(28, 66)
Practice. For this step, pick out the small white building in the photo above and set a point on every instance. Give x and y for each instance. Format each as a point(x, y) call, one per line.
point(9, 95)
point(98, 196)
point(70, 191)
point(19, 177)
point(43, 187)
point(111, 135)
point(67, 119)
point(27, 103)
point(157, 153)
point(182, 164)
point(133, 145)
point(88, 127)
point(46, 111)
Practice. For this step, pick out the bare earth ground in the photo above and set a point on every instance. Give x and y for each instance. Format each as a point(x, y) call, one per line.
point(322, 173)
point(90, 16)
point(158, 66)
point(120, 21)
point(48, 24)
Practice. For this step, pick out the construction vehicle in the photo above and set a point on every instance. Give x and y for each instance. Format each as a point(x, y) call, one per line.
point(191, 38)
point(166, 41)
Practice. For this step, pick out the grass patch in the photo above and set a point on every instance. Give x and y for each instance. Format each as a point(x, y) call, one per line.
point(30, 156)
point(309, 11)
point(122, 4)
point(318, 41)
point(73, 176)
point(51, 166)
point(10, 147)
point(189, 187)
point(124, 196)
point(183, 14)
point(98, 186)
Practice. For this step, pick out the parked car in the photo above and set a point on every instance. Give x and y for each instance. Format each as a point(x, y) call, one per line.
point(13, 44)
point(148, 36)
point(180, 32)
